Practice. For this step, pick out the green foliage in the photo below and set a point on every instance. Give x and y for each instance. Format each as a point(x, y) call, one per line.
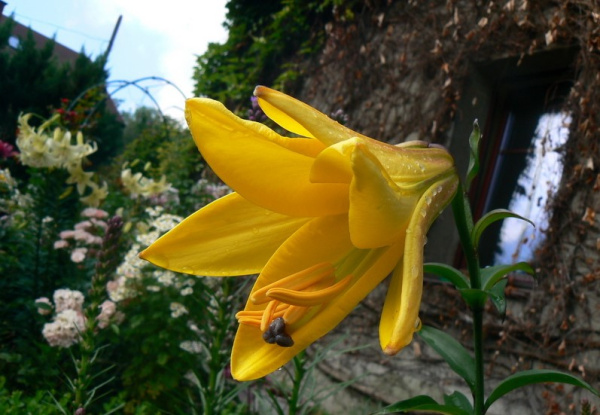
point(266, 41)
point(32, 268)
point(17, 403)
point(531, 377)
point(473, 168)
point(164, 143)
point(452, 351)
point(423, 403)
point(491, 217)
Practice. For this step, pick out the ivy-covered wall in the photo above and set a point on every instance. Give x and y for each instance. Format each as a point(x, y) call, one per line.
point(420, 70)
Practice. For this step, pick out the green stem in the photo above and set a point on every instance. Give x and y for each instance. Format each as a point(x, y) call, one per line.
point(298, 375)
point(464, 224)
point(478, 397)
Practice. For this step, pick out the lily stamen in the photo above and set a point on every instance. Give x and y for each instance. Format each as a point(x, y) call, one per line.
point(309, 298)
point(268, 315)
point(299, 281)
point(294, 313)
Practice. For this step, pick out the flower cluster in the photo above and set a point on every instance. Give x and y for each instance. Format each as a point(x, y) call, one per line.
point(132, 270)
point(255, 113)
point(86, 238)
point(139, 185)
point(39, 149)
point(69, 321)
point(13, 204)
point(215, 190)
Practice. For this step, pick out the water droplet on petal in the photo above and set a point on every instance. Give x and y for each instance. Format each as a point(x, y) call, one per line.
point(418, 324)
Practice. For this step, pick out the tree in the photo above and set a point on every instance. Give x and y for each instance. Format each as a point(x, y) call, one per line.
point(32, 80)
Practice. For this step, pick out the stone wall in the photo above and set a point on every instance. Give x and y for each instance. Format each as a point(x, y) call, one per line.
point(410, 70)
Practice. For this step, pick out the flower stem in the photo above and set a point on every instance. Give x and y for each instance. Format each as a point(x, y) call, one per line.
point(299, 372)
point(464, 224)
point(105, 264)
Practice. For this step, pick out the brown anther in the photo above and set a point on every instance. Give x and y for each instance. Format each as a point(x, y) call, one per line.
point(276, 334)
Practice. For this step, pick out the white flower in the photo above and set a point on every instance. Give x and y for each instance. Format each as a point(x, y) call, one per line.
point(191, 346)
point(65, 299)
point(187, 291)
point(177, 309)
point(66, 328)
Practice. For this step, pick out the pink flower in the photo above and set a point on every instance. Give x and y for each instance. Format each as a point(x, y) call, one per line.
point(7, 150)
point(78, 255)
point(91, 212)
point(67, 234)
point(83, 225)
point(61, 243)
point(99, 223)
point(107, 310)
point(82, 235)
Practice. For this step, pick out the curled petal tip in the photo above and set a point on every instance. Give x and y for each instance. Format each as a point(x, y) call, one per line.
point(260, 90)
point(390, 351)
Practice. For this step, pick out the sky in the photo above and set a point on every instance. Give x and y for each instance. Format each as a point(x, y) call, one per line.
point(155, 39)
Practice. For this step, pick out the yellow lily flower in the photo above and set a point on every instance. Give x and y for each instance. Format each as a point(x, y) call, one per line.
point(323, 218)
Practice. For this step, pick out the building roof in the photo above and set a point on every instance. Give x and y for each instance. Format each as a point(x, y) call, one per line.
point(62, 53)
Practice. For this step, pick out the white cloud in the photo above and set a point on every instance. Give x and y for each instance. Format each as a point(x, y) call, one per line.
point(156, 38)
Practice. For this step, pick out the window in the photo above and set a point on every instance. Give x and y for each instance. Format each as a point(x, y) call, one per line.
point(520, 152)
point(517, 239)
point(14, 42)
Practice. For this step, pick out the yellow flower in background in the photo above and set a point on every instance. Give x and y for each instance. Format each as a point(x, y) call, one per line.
point(97, 196)
point(323, 218)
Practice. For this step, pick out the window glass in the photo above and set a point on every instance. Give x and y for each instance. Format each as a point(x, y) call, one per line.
point(539, 179)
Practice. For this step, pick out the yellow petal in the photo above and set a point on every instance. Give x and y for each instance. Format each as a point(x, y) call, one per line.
point(268, 170)
point(321, 240)
point(400, 316)
point(230, 236)
point(379, 210)
point(300, 118)
point(409, 162)
point(406, 164)
point(332, 165)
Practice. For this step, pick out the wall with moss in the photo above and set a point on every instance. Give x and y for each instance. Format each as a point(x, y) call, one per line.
point(424, 70)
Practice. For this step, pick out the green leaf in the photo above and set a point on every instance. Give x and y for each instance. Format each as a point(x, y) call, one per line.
point(422, 403)
point(474, 297)
point(450, 273)
point(473, 169)
point(490, 276)
point(459, 400)
point(497, 296)
point(452, 351)
point(43, 305)
point(530, 377)
point(491, 217)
